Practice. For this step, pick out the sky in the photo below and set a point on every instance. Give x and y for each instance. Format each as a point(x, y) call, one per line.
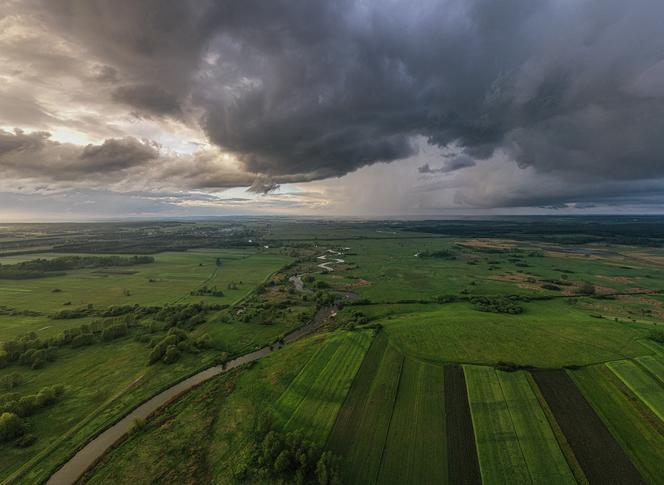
point(368, 108)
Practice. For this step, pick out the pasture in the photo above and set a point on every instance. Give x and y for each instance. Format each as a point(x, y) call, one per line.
point(547, 334)
point(170, 279)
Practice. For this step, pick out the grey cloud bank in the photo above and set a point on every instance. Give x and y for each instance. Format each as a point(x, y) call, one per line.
point(298, 90)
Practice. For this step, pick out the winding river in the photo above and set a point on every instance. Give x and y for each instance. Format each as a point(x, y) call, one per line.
point(86, 457)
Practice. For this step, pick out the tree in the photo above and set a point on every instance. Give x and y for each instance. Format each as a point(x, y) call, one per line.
point(11, 426)
point(171, 355)
point(587, 288)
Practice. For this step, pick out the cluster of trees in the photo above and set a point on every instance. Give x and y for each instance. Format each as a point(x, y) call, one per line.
point(10, 381)
point(9, 311)
point(27, 350)
point(27, 405)
point(176, 342)
point(287, 458)
point(207, 291)
point(497, 304)
point(185, 315)
point(11, 427)
point(657, 336)
point(586, 288)
point(356, 318)
point(14, 408)
point(40, 268)
point(31, 351)
point(439, 253)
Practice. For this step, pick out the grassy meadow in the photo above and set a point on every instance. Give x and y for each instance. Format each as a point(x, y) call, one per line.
point(444, 348)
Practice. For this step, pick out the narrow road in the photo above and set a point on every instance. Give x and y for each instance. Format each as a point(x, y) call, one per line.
point(95, 449)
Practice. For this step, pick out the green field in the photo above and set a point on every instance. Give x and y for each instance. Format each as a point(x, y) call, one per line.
point(96, 393)
point(515, 443)
point(643, 385)
point(538, 443)
point(369, 385)
point(653, 364)
point(637, 429)
point(362, 427)
point(313, 399)
point(415, 450)
point(169, 279)
point(547, 334)
point(225, 419)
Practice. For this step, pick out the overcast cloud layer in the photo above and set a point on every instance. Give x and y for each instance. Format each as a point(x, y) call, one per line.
point(477, 104)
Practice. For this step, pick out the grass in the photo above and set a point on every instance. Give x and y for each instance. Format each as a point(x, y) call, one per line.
point(642, 384)
point(12, 326)
point(594, 447)
point(500, 453)
point(637, 430)
point(312, 400)
point(362, 426)
point(170, 279)
point(654, 365)
point(184, 422)
point(98, 393)
point(383, 410)
point(547, 334)
point(416, 448)
point(208, 429)
point(544, 457)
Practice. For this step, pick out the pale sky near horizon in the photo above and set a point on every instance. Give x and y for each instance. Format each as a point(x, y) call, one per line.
point(157, 108)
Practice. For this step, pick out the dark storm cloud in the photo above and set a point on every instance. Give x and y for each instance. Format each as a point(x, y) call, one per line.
point(117, 154)
point(150, 99)
point(301, 90)
point(35, 155)
point(451, 165)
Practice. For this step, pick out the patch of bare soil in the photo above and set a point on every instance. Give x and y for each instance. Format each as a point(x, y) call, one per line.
point(359, 283)
point(490, 243)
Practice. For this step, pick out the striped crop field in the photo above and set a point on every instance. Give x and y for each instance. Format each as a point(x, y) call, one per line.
point(415, 451)
point(654, 365)
point(514, 440)
point(638, 431)
point(595, 448)
point(545, 460)
point(642, 384)
point(311, 402)
point(363, 423)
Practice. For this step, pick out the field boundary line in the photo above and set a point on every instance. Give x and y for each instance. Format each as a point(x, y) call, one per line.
point(563, 444)
point(641, 408)
point(656, 378)
point(389, 423)
point(343, 403)
point(509, 411)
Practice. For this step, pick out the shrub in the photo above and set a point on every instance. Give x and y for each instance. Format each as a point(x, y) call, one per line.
point(114, 331)
point(287, 458)
point(657, 336)
point(587, 288)
point(82, 340)
point(11, 426)
point(171, 354)
point(26, 440)
point(11, 381)
point(156, 354)
point(496, 305)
